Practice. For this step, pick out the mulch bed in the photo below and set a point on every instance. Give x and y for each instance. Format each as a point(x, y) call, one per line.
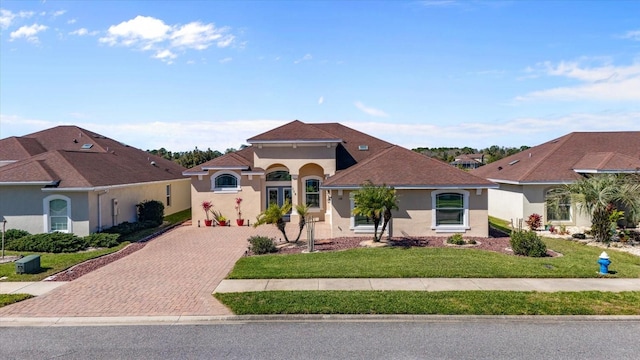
point(491, 244)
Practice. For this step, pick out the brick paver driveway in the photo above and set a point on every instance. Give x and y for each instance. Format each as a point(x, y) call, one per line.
point(173, 274)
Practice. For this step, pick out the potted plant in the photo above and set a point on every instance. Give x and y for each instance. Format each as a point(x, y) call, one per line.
point(239, 220)
point(220, 219)
point(206, 206)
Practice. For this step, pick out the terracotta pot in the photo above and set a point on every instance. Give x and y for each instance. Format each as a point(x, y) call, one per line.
point(240, 222)
point(208, 222)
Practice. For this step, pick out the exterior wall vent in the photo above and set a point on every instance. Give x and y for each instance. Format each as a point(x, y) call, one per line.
point(363, 147)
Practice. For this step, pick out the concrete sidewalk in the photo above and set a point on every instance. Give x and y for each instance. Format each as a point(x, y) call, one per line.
point(431, 284)
point(33, 288)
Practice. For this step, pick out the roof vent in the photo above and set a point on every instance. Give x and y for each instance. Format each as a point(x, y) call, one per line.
point(513, 162)
point(87, 146)
point(363, 147)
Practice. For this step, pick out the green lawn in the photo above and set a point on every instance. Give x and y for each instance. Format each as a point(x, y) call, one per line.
point(444, 303)
point(8, 299)
point(579, 261)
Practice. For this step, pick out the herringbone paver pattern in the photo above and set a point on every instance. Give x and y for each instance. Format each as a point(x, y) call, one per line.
point(173, 274)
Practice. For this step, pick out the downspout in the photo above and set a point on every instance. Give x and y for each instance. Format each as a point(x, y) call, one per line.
point(100, 208)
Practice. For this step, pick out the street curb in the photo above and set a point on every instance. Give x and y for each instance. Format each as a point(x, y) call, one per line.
point(235, 319)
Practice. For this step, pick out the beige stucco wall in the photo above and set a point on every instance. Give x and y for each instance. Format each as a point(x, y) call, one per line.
point(225, 202)
point(23, 206)
point(506, 202)
point(296, 158)
point(414, 217)
point(513, 202)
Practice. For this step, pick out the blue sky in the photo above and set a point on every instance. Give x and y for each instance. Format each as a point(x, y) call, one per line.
point(211, 74)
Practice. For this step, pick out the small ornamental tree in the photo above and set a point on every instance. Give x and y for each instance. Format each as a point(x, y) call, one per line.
point(534, 221)
point(151, 211)
point(376, 203)
point(275, 214)
point(302, 211)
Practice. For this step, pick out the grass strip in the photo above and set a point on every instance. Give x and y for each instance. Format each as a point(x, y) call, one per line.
point(432, 303)
point(579, 261)
point(8, 299)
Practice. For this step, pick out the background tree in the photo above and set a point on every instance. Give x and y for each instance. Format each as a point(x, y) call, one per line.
point(599, 196)
point(275, 214)
point(376, 203)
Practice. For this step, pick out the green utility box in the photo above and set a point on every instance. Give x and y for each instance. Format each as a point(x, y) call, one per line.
point(28, 265)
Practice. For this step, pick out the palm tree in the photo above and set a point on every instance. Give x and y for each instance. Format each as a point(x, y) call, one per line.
point(598, 197)
point(376, 203)
point(303, 211)
point(275, 214)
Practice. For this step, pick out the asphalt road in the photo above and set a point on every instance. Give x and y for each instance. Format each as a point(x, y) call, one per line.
point(477, 339)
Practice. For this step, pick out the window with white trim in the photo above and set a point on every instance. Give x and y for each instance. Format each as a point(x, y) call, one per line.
point(558, 207)
point(360, 223)
point(225, 181)
point(450, 210)
point(311, 194)
point(57, 211)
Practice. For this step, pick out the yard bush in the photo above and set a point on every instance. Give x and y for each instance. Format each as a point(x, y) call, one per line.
point(52, 243)
point(152, 211)
point(527, 243)
point(13, 234)
point(534, 221)
point(103, 240)
point(126, 228)
point(261, 245)
point(455, 239)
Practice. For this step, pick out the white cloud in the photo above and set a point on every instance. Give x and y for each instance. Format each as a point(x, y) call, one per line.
point(83, 32)
point(166, 56)
point(58, 13)
point(71, 21)
point(140, 30)
point(28, 32)
point(307, 57)
point(150, 34)
point(200, 36)
point(369, 110)
point(633, 35)
point(605, 82)
point(225, 60)
point(6, 17)
point(321, 100)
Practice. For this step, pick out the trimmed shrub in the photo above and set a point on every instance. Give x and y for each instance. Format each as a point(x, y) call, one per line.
point(579, 236)
point(126, 228)
point(103, 240)
point(261, 245)
point(152, 211)
point(455, 239)
point(52, 243)
point(527, 243)
point(13, 234)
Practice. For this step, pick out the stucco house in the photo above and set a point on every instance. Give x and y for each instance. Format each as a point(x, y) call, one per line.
point(526, 178)
point(69, 179)
point(322, 164)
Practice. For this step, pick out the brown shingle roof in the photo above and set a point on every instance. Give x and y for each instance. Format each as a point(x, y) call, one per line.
point(555, 161)
point(607, 162)
point(295, 131)
point(107, 162)
point(233, 160)
point(400, 167)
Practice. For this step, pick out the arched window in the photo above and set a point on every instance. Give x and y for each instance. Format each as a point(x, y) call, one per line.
point(225, 181)
point(450, 210)
point(57, 212)
point(279, 175)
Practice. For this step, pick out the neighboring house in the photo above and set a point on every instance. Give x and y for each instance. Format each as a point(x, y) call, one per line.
point(468, 161)
point(322, 164)
point(526, 178)
point(69, 179)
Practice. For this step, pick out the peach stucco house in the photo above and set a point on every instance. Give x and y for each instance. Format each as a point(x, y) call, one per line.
point(322, 164)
